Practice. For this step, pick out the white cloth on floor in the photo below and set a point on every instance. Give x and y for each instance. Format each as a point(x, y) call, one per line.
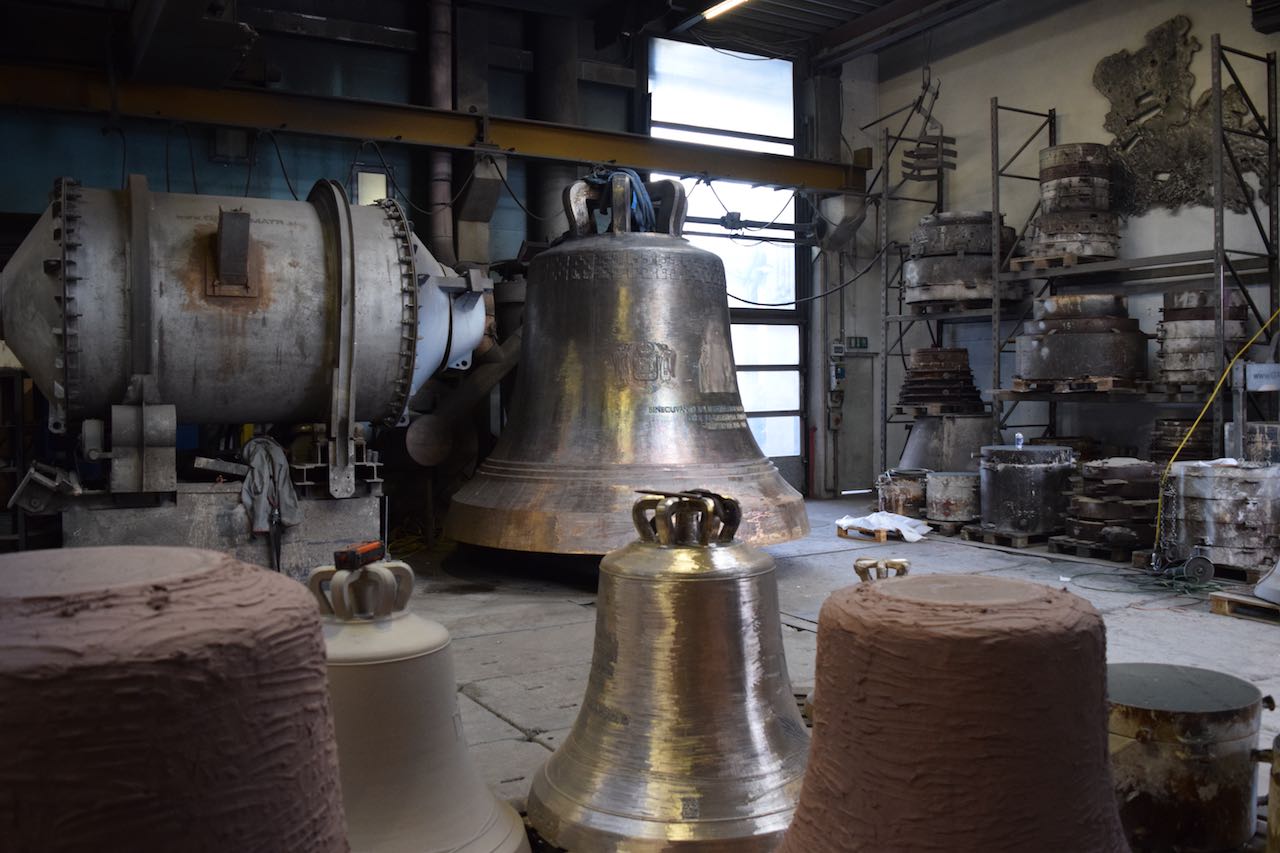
point(912, 529)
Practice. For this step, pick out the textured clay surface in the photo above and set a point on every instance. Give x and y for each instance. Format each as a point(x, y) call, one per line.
point(162, 699)
point(958, 714)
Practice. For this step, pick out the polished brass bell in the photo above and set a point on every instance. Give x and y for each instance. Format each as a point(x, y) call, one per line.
point(408, 785)
point(689, 736)
point(627, 379)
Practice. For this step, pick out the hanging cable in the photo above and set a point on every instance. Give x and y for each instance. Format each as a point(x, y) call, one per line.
point(516, 198)
point(191, 156)
point(394, 187)
point(280, 159)
point(824, 294)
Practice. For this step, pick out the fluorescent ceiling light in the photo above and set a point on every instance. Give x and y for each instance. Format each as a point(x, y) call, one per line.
point(720, 8)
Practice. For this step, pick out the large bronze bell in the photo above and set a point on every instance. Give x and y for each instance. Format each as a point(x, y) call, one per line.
point(626, 380)
point(689, 737)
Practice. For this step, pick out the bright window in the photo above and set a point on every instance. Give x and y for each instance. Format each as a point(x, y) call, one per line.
point(718, 98)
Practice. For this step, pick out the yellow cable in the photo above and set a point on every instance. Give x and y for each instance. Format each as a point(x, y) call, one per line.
point(1213, 396)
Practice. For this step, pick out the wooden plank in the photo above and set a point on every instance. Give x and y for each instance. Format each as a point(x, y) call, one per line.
point(1244, 607)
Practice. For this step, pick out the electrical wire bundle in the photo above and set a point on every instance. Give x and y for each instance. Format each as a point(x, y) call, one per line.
point(646, 219)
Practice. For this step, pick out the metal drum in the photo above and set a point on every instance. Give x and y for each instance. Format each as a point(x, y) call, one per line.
point(626, 379)
point(953, 232)
point(1075, 176)
point(1188, 335)
point(1083, 233)
point(902, 491)
point(1076, 337)
point(689, 737)
point(1181, 742)
point(952, 496)
point(1026, 489)
point(951, 258)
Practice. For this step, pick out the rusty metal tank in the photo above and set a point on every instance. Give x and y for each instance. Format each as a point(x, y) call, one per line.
point(627, 380)
point(1181, 741)
point(902, 491)
point(240, 308)
point(689, 737)
point(1025, 489)
point(952, 496)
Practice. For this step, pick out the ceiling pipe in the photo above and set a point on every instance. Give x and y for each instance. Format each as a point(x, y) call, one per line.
point(440, 95)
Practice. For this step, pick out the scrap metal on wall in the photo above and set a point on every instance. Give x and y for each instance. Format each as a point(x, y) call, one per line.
point(1163, 139)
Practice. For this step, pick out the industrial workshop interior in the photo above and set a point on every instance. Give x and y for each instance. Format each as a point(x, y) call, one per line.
point(757, 426)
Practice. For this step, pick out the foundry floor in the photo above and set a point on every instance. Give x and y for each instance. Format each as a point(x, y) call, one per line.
point(522, 631)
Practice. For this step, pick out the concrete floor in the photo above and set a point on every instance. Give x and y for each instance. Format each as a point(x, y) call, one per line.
point(523, 629)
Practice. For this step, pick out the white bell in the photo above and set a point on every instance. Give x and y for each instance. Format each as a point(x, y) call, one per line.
point(408, 785)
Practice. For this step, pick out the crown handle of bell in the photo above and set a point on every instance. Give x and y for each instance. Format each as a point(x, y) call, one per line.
point(657, 206)
point(376, 591)
point(698, 518)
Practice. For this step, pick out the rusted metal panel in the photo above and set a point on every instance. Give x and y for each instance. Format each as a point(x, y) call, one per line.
point(1181, 741)
point(902, 491)
point(952, 496)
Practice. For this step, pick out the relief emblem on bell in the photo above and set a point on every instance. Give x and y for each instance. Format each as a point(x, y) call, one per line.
point(627, 378)
point(644, 363)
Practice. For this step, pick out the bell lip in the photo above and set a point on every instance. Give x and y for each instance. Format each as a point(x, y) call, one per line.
point(396, 638)
point(785, 519)
point(580, 833)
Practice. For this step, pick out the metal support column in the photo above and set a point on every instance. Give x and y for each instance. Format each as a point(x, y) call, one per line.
point(1219, 236)
point(882, 238)
point(997, 266)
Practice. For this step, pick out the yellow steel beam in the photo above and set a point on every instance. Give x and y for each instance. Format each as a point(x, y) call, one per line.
point(86, 91)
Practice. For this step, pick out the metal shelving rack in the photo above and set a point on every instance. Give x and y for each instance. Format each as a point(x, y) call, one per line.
point(892, 260)
point(1225, 266)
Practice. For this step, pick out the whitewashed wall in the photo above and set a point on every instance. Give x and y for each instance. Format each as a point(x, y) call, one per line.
point(1038, 54)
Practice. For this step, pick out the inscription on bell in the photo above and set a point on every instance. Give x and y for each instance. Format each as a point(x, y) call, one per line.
point(644, 363)
point(614, 266)
point(707, 415)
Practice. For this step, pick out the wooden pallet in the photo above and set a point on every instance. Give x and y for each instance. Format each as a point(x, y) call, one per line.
point(806, 710)
point(1197, 389)
point(1082, 384)
point(1066, 259)
point(1244, 607)
point(946, 528)
point(948, 306)
point(977, 533)
point(1084, 548)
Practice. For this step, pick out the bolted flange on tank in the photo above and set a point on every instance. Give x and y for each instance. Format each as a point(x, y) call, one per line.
point(627, 378)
